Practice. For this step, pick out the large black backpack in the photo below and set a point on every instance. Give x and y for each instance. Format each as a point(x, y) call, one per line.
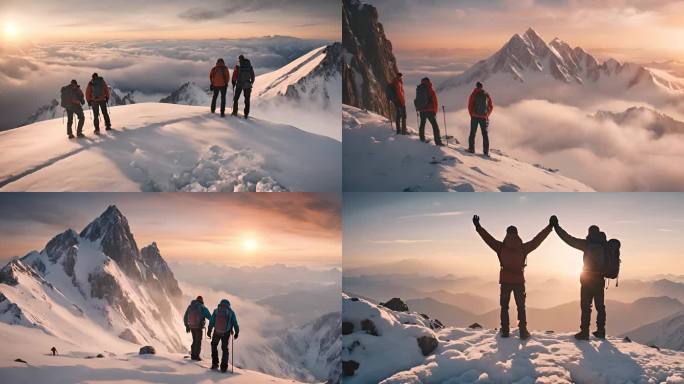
point(245, 74)
point(481, 107)
point(66, 96)
point(422, 100)
point(195, 316)
point(611, 266)
point(98, 87)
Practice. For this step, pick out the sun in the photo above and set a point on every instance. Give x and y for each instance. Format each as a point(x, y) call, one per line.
point(249, 244)
point(10, 30)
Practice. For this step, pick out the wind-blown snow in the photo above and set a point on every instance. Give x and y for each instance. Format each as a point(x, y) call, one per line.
point(165, 147)
point(375, 159)
point(481, 356)
point(276, 83)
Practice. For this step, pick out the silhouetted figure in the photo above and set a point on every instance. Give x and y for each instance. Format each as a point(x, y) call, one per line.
point(480, 106)
point(591, 280)
point(219, 76)
point(194, 318)
point(97, 95)
point(512, 254)
point(427, 105)
point(395, 94)
point(243, 80)
point(223, 323)
point(54, 351)
point(72, 101)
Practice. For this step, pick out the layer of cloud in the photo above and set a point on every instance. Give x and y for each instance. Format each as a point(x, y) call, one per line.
point(32, 77)
point(212, 10)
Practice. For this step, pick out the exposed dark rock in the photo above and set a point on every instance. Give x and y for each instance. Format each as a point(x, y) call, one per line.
point(347, 328)
point(128, 335)
point(396, 304)
point(147, 350)
point(654, 346)
point(369, 60)
point(424, 316)
point(354, 299)
point(427, 344)
point(60, 244)
point(70, 261)
point(349, 367)
point(627, 339)
point(353, 346)
point(475, 326)
point(20, 361)
point(436, 324)
point(99, 356)
point(369, 327)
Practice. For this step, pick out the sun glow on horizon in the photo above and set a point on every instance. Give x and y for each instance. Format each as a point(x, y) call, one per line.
point(249, 244)
point(10, 30)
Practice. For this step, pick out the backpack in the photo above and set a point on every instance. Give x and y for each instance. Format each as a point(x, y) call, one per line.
point(221, 320)
point(195, 316)
point(480, 104)
point(422, 100)
point(66, 96)
point(245, 75)
point(391, 92)
point(98, 87)
point(611, 267)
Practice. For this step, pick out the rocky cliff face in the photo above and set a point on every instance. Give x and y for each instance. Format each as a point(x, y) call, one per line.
point(369, 64)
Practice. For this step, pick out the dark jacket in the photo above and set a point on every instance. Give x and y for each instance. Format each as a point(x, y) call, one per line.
point(512, 253)
point(243, 65)
point(593, 253)
point(203, 309)
point(433, 106)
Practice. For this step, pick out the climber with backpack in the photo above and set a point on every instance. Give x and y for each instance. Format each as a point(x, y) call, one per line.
point(223, 322)
point(97, 95)
point(72, 101)
point(480, 106)
point(243, 79)
point(194, 319)
point(512, 254)
point(395, 94)
point(218, 79)
point(427, 106)
point(601, 260)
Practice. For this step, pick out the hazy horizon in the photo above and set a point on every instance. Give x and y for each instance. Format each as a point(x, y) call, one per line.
point(437, 229)
point(238, 230)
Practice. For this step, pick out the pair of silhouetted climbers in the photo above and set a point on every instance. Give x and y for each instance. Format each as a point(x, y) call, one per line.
point(426, 104)
point(601, 260)
point(223, 322)
point(242, 81)
point(72, 100)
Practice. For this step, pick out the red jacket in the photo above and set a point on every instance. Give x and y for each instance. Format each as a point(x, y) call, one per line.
point(219, 76)
point(398, 85)
point(89, 92)
point(512, 253)
point(471, 104)
point(434, 104)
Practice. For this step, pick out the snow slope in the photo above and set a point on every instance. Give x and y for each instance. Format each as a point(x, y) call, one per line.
point(375, 159)
point(190, 94)
point(480, 356)
point(166, 147)
point(77, 364)
point(665, 333)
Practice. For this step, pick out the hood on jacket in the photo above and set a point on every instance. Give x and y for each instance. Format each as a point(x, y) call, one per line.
point(426, 81)
point(512, 240)
point(225, 303)
point(220, 63)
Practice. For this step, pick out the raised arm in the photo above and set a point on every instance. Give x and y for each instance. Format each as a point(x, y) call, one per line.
point(570, 240)
point(493, 243)
point(537, 240)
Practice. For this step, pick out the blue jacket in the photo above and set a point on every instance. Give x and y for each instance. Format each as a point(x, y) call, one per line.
point(232, 319)
point(205, 313)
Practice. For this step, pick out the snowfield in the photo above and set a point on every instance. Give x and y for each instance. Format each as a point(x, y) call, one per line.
point(481, 356)
point(166, 147)
point(375, 159)
point(80, 365)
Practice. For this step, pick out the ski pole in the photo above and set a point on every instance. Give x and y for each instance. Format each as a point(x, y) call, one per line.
point(445, 127)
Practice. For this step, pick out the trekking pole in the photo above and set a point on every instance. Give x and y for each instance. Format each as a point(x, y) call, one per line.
point(389, 109)
point(232, 346)
point(446, 133)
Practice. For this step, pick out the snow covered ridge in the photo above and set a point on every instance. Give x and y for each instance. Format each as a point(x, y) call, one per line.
point(96, 286)
point(166, 147)
point(375, 159)
point(382, 346)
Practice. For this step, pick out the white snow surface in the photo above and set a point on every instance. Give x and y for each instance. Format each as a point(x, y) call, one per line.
point(276, 83)
point(665, 333)
point(167, 147)
point(481, 356)
point(375, 159)
point(78, 364)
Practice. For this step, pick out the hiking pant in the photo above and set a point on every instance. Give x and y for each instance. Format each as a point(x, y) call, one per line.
point(400, 118)
point(593, 290)
point(484, 125)
point(224, 349)
point(97, 106)
point(78, 111)
point(196, 348)
point(431, 116)
point(218, 90)
point(236, 98)
point(519, 296)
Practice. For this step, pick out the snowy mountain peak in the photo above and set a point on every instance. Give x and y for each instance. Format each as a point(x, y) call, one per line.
point(188, 94)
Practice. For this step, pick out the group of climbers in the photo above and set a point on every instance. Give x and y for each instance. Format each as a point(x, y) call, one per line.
point(98, 93)
point(97, 96)
point(222, 324)
point(242, 81)
point(480, 107)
